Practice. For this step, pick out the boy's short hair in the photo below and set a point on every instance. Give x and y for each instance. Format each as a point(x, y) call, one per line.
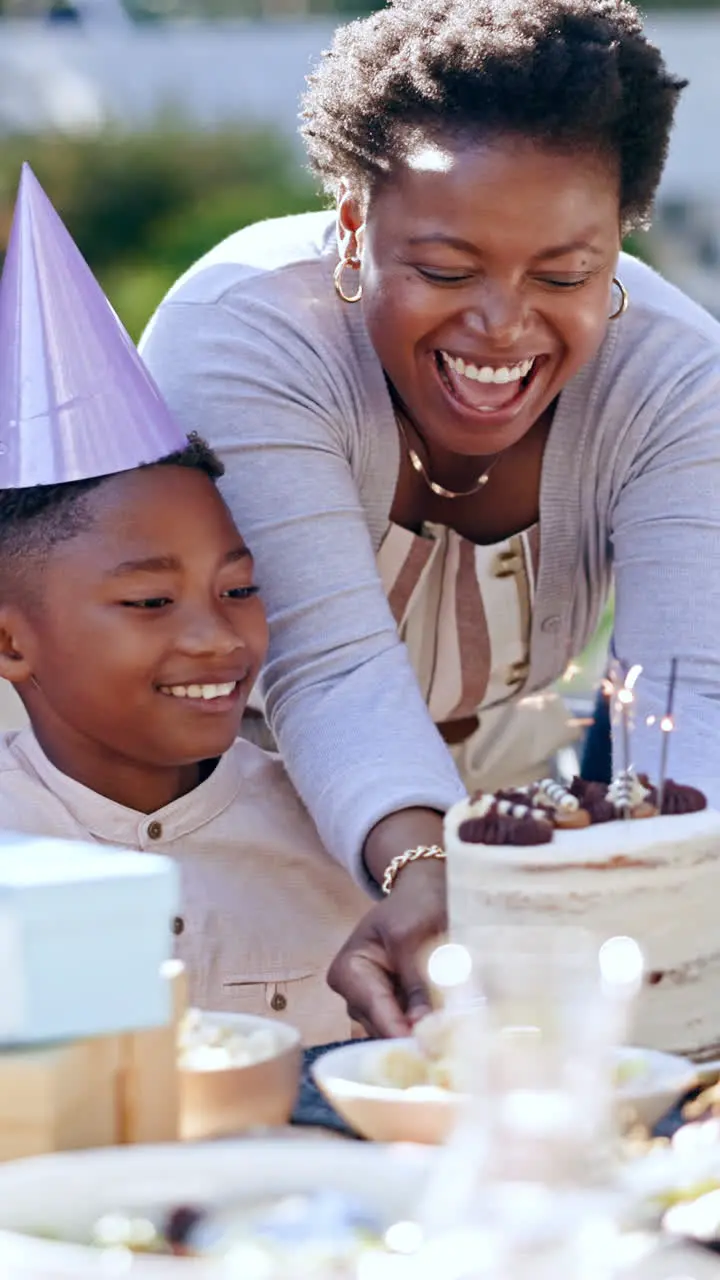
point(34, 520)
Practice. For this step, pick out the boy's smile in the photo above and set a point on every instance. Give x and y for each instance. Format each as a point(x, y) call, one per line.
point(142, 637)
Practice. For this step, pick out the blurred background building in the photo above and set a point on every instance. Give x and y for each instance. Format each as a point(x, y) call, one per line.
point(158, 126)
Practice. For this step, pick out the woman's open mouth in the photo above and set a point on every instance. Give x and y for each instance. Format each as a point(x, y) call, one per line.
point(491, 390)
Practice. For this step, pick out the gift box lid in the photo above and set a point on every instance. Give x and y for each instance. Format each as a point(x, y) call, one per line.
point(40, 876)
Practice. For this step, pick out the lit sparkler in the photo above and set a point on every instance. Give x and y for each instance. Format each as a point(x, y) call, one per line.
point(626, 698)
point(667, 724)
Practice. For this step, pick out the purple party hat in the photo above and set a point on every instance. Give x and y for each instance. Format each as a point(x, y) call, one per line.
point(76, 401)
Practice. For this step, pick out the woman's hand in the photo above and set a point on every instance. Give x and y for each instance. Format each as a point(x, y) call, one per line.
point(380, 970)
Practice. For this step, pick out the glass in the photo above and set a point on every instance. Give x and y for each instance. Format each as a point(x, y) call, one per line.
point(527, 1173)
point(547, 1009)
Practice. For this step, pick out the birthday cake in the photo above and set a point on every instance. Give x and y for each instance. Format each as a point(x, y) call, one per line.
point(618, 860)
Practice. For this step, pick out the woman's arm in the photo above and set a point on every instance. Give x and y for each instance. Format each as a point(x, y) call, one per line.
point(380, 970)
point(666, 541)
point(339, 690)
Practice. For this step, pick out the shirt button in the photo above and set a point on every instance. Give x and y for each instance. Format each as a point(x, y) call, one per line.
point(178, 926)
point(154, 830)
point(552, 624)
point(507, 564)
point(278, 1002)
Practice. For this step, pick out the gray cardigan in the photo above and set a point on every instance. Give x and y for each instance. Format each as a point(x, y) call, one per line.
point(253, 349)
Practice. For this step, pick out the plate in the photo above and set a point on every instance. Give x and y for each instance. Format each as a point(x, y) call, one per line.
point(66, 1194)
point(425, 1114)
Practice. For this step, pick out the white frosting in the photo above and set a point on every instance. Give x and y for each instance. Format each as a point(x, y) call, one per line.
point(627, 791)
point(664, 893)
point(486, 801)
point(557, 796)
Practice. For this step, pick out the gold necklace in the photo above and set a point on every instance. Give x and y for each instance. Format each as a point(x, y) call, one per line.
point(439, 490)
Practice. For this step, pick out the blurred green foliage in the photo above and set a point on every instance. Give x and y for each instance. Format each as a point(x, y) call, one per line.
point(143, 207)
point(148, 10)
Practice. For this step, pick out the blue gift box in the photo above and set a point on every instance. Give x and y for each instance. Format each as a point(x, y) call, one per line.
point(83, 934)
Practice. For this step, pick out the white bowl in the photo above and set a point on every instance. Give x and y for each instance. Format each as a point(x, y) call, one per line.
point(425, 1114)
point(651, 1093)
point(225, 1102)
point(66, 1194)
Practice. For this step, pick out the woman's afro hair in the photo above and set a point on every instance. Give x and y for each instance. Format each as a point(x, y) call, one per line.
point(570, 74)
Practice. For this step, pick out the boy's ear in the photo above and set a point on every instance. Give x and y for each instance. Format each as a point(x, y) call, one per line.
point(15, 665)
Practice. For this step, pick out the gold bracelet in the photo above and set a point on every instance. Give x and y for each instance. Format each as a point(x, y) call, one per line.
point(410, 855)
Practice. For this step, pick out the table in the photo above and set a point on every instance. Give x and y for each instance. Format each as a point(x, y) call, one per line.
point(311, 1108)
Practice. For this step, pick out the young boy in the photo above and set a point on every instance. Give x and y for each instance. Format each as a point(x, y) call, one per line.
point(131, 627)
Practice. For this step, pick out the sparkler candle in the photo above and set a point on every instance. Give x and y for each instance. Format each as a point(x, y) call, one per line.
point(667, 725)
point(625, 699)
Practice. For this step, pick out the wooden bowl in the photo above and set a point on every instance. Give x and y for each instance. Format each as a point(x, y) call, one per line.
point(230, 1100)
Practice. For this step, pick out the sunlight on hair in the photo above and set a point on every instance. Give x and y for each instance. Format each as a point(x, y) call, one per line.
point(429, 158)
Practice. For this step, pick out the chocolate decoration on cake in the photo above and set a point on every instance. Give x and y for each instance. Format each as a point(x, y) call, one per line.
point(516, 816)
point(516, 796)
point(499, 828)
point(679, 799)
point(593, 797)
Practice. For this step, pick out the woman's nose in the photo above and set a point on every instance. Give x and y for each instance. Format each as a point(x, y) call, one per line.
point(497, 312)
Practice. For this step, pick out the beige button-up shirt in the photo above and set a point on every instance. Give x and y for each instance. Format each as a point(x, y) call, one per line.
point(264, 908)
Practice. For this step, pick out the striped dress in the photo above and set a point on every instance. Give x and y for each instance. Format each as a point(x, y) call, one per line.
point(464, 612)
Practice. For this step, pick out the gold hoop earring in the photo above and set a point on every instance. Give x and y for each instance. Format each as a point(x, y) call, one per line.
point(624, 300)
point(355, 264)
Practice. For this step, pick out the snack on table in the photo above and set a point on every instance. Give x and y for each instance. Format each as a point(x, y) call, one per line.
point(206, 1045)
point(522, 857)
point(321, 1232)
point(429, 1062)
point(666, 1172)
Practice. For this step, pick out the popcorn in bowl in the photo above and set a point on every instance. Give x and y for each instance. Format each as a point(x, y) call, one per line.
point(430, 1061)
point(209, 1044)
point(237, 1071)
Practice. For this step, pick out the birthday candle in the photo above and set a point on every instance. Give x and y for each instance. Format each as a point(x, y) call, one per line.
point(626, 698)
point(667, 724)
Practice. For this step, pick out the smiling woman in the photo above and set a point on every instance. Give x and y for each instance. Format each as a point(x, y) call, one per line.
point(451, 412)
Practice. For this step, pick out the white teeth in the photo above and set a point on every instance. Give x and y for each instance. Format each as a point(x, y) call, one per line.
point(487, 372)
point(204, 691)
